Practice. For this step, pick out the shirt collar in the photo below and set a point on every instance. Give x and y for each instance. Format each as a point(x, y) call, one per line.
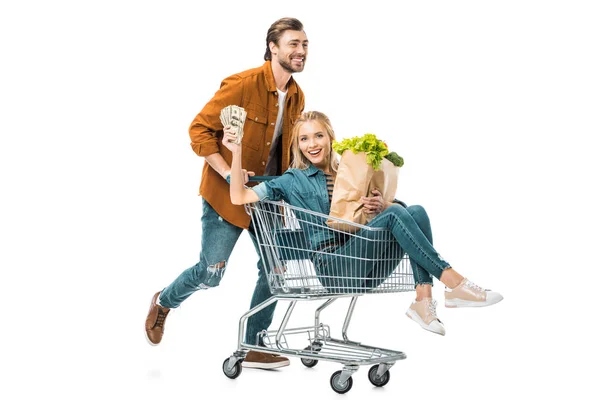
point(311, 170)
point(270, 79)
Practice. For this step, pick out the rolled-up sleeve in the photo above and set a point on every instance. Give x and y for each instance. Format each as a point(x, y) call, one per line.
point(261, 191)
point(275, 189)
point(204, 128)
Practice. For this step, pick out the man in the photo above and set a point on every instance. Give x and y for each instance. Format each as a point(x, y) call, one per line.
point(272, 101)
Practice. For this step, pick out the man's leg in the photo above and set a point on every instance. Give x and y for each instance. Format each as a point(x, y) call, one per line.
point(261, 320)
point(218, 239)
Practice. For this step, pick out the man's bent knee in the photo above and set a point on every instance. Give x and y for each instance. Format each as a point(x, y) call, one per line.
point(214, 274)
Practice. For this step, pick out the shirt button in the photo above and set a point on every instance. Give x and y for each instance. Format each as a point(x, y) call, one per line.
point(272, 123)
point(263, 163)
point(268, 143)
point(277, 105)
point(256, 118)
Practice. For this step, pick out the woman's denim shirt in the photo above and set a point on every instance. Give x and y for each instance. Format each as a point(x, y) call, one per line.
point(304, 188)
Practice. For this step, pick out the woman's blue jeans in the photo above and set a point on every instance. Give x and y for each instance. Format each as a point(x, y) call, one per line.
point(218, 240)
point(412, 230)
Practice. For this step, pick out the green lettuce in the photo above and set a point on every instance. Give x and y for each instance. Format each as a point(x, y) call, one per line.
point(375, 149)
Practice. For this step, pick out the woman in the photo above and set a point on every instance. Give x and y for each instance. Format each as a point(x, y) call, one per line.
point(313, 171)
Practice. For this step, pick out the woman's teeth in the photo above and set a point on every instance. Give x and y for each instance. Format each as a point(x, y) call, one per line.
point(314, 152)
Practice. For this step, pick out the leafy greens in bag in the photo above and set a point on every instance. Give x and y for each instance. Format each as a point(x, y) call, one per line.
point(374, 148)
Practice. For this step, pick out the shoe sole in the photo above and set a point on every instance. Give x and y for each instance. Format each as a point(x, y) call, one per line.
point(458, 303)
point(279, 364)
point(151, 343)
point(415, 317)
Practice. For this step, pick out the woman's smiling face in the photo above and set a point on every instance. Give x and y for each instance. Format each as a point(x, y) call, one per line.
point(314, 144)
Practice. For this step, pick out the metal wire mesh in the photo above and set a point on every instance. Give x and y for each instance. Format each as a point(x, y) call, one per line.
point(303, 255)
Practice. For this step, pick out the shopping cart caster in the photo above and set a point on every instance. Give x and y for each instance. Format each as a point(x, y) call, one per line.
point(316, 346)
point(308, 362)
point(382, 380)
point(234, 371)
point(335, 383)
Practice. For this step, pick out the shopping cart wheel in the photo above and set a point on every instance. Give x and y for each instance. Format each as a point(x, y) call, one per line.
point(316, 346)
point(335, 385)
point(235, 371)
point(308, 362)
point(382, 380)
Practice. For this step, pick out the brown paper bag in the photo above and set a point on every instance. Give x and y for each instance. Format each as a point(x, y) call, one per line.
point(355, 178)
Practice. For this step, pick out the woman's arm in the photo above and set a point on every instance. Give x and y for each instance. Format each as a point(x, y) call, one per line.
point(238, 193)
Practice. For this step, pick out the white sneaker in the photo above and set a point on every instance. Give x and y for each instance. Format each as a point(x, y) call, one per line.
point(468, 294)
point(423, 313)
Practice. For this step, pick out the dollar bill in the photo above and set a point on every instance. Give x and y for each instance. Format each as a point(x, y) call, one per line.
point(236, 117)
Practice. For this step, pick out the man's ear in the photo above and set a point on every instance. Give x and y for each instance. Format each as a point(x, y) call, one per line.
point(273, 47)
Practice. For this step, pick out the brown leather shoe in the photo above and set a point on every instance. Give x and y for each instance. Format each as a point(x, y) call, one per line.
point(255, 359)
point(155, 321)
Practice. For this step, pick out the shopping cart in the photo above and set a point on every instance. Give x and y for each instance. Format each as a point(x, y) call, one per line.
point(307, 259)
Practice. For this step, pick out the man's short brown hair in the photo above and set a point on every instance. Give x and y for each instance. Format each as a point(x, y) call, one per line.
point(276, 31)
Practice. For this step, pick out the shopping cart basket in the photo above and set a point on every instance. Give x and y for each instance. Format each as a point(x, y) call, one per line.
point(306, 259)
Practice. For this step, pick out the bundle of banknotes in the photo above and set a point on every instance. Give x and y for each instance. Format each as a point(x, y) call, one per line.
point(234, 116)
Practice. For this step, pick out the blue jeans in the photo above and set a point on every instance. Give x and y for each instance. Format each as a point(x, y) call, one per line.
point(218, 240)
point(412, 230)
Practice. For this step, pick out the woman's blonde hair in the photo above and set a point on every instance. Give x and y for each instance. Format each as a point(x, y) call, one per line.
point(298, 159)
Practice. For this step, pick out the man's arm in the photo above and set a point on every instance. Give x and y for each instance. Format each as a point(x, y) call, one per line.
point(218, 163)
point(204, 128)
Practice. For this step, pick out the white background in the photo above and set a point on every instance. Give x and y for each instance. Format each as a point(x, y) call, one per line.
point(493, 105)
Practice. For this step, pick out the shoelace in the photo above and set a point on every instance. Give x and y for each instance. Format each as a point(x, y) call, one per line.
point(432, 306)
point(474, 286)
point(160, 320)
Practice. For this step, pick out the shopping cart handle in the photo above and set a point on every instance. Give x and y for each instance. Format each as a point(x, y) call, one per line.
point(255, 178)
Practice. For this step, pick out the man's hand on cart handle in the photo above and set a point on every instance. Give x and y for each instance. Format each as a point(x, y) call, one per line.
point(254, 178)
point(248, 176)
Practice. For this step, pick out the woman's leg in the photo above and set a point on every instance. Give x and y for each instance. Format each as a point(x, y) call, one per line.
point(412, 239)
point(423, 279)
point(449, 276)
point(423, 309)
point(463, 293)
point(353, 265)
point(423, 291)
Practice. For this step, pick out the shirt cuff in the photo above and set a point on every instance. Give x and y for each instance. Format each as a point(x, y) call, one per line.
point(205, 149)
point(261, 191)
